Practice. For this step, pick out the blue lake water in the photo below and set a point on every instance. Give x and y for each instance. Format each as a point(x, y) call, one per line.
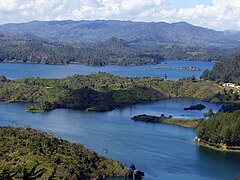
point(161, 151)
point(20, 70)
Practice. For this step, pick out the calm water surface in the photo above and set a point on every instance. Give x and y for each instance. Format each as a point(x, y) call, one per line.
point(161, 151)
point(20, 70)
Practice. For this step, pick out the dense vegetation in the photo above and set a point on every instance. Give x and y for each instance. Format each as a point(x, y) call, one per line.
point(195, 107)
point(136, 32)
point(35, 50)
point(32, 49)
point(189, 123)
point(26, 153)
point(103, 92)
point(220, 130)
point(224, 71)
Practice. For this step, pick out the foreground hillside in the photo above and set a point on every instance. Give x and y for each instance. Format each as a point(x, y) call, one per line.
point(104, 92)
point(26, 153)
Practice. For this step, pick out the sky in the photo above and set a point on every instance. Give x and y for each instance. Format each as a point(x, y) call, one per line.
point(213, 14)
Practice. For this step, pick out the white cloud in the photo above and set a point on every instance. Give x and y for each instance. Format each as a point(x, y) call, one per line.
point(220, 14)
point(8, 5)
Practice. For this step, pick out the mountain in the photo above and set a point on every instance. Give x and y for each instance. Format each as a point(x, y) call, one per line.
point(31, 49)
point(180, 33)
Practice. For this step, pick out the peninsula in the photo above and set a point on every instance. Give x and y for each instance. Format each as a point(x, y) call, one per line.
point(104, 92)
point(189, 123)
point(220, 132)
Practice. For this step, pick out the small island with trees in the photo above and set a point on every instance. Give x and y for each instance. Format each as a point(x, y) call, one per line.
point(195, 107)
point(190, 68)
point(189, 123)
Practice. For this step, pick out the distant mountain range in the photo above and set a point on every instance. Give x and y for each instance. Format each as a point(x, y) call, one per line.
point(146, 33)
point(32, 49)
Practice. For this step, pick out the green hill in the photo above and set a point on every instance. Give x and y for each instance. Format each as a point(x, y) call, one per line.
point(104, 92)
point(224, 71)
point(221, 131)
point(26, 153)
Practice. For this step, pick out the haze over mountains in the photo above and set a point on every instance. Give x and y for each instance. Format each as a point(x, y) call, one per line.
point(180, 33)
point(113, 42)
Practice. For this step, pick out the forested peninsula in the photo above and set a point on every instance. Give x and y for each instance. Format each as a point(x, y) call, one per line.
point(104, 92)
point(26, 153)
point(188, 123)
point(221, 132)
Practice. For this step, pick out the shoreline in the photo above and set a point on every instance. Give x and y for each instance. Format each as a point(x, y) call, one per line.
point(222, 148)
point(187, 123)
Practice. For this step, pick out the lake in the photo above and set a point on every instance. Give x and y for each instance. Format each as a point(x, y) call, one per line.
point(161, 151)
point(20, 70)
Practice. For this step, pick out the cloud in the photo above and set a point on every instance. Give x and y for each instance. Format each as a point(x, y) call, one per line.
point(220, 14)
point(8, 5)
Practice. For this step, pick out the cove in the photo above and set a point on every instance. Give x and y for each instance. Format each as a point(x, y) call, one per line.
point(161, 151)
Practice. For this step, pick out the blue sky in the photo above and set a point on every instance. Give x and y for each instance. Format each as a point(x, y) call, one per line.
point(214, 14)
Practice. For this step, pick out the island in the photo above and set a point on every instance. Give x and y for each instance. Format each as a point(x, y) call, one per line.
point(189, 123)
point(27, 153)
point(162, 67)
point(220, 132)
point(105, 92)
point(195, 107)
point(190, 68)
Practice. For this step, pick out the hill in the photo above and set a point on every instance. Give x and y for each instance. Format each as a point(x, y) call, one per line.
point(32, 49)
point(180, 33)
point(104, 92)
point(26, 153)
point(224, 71)
point(221, 131)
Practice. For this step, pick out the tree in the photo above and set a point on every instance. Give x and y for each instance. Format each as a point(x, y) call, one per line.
point(209, 114)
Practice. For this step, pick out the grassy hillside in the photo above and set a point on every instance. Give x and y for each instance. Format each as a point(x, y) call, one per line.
point(103, 92)
point(26, 153)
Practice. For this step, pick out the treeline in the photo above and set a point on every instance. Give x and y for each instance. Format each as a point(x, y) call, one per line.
point(32, 49)
point(224, 71)
point(26, 153)
point(103, 92)
point(222, 128)
point(35, 50)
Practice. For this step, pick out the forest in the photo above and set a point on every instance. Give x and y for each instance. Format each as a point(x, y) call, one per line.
point(32, 49)
point(104, 92)
point(224, 71)
point(26, 153)
point(221, 129)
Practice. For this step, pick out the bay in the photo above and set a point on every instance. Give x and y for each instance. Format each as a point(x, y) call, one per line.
point(161, 151)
